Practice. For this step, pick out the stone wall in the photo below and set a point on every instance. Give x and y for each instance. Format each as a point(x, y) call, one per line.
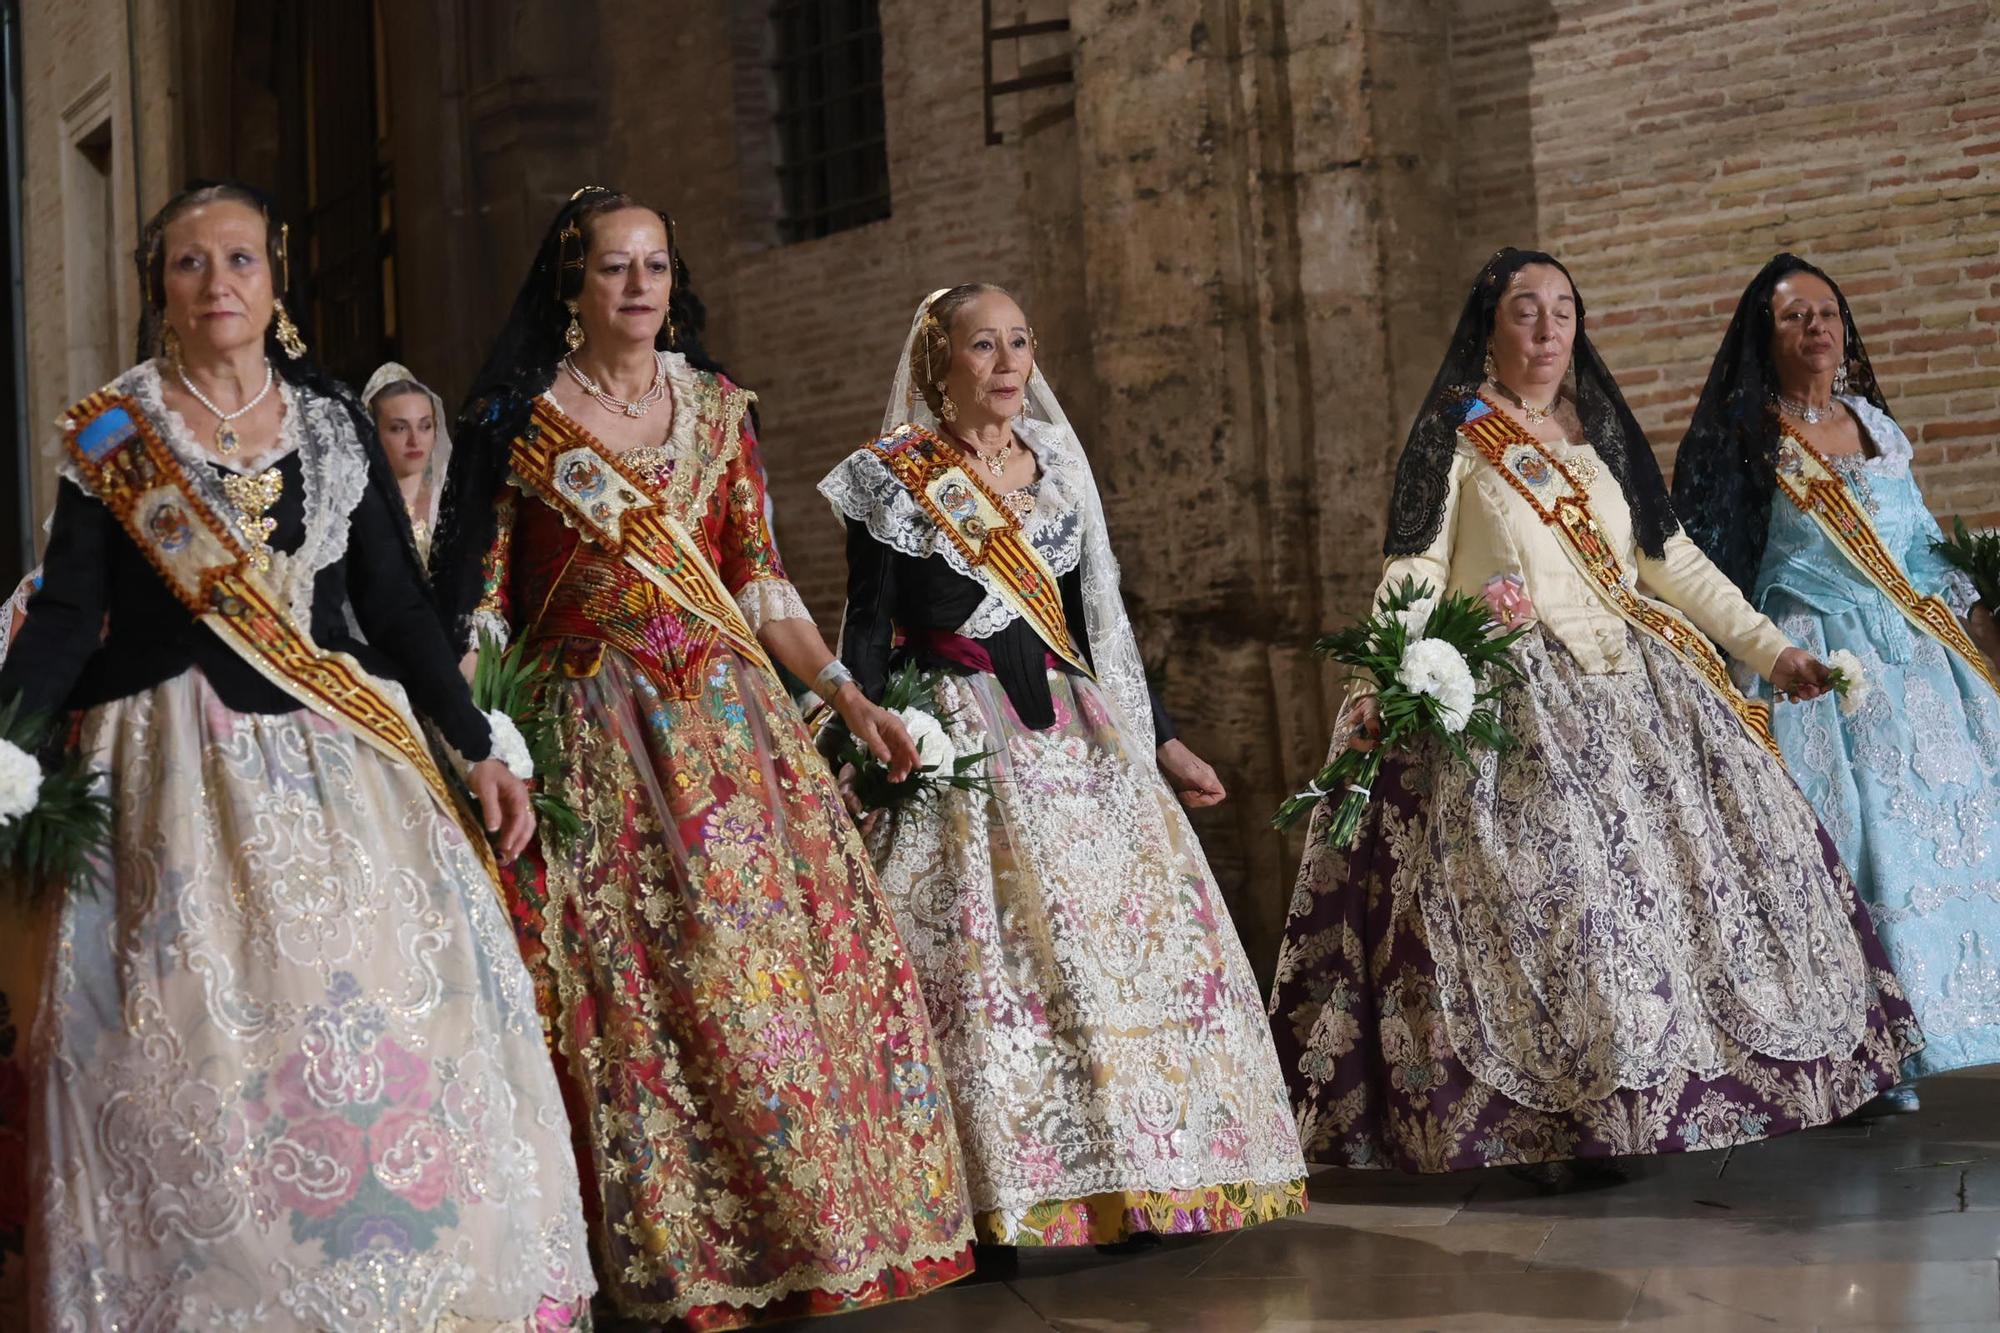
point(1667, 150)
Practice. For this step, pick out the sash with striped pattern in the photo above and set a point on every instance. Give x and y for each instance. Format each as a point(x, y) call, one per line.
point(972, 518)
point(569, 469)
point(127, 466)
point(1552, 491)
point(1809, 481)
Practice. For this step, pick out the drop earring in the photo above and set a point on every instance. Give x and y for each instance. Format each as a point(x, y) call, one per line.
point(1492, 371)
point(1840, 379)
point(170, 345)
point(288, 334)
point(947, 409)
point(573, 335)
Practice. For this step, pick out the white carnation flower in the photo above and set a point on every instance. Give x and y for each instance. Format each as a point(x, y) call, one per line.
point(1416, 618)
point(1849, 666)
point(1434, 667)
point(934, 748)
point(20, 782)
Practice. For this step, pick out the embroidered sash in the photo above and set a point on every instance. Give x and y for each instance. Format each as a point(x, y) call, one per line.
point(571, 471)
point(127, 466)
point(1809, 481)
point(1552, 490)
point(972, 518)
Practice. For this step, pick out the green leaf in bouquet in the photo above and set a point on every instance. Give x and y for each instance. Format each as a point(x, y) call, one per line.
point(62, 842)
point(1978, 556)
point(517, 682)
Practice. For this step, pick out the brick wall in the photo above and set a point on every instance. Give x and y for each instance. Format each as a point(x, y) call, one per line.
point(815, 327)
point(1665, 151)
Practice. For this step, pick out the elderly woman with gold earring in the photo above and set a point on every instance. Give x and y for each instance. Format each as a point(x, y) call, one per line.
point(291, 1074)
point(757, 1098)
point(1104, 1041)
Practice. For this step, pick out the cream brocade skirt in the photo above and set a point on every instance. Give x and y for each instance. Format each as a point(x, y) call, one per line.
point(1103, 1037)
point(291, 1071)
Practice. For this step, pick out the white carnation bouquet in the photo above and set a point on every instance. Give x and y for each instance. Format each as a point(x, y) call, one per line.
point(53, 824)
point(1437, 663)
point(1848, 679)
point(911, 695)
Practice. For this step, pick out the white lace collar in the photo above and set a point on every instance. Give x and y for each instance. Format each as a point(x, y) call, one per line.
point(333, 470)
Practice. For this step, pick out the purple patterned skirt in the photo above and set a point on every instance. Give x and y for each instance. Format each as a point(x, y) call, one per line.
point(1627, 935)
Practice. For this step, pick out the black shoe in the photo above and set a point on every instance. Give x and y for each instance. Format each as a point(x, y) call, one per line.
point(1137, 1243)
point(993, 1263)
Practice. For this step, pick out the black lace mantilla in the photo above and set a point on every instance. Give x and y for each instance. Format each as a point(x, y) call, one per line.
point(1423, 472)
point(1723, 479)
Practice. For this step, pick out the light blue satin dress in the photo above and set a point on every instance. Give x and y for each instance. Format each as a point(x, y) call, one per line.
point(1909, 783)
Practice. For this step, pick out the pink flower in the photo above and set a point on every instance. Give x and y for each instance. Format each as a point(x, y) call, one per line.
point(411, 1157)
point(405, 1075)
point(315, 1165)
point(1507, 596)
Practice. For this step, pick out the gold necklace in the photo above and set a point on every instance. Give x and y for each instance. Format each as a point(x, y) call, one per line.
point(1020, 502)
point(1535, 415)
point(252, 494)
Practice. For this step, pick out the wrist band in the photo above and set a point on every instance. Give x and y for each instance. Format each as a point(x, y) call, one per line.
point(830, 678)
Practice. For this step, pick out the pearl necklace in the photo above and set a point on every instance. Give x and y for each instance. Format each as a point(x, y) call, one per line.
point(636, 407)
point(1535, 415)
point(226, 438)
point(1805, 412)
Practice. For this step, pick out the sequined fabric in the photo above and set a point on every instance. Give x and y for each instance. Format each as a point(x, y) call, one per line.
point(293, 1076)
point(754, 1075)
point(757, 1096)
point(1102, 1032)
point(1627, 935)
point(1909, 784)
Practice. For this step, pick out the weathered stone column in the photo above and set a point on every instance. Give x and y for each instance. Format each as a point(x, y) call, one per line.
point(1267, 225)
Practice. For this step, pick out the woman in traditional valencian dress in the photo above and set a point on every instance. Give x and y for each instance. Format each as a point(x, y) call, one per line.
point(753, 1080)
point(1627, 934)
point(1796, 480)
point(410, 420)
point(290, 1073)
point(1103, 1037)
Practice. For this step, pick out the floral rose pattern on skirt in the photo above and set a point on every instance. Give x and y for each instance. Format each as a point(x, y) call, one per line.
point(750, 1069)
point(292, 1076)
point(1626, 935)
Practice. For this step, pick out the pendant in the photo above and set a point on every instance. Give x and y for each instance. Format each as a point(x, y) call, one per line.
point(634, 411)
point(225, 438)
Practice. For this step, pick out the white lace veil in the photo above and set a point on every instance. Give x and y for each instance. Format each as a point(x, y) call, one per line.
point(1114, 651)
point(432, 494)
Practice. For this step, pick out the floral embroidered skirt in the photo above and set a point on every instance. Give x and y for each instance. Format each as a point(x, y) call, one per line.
point(757, 1100)
point(1103, 1036)
point(289, 1070)
point(1627, 935)
point(1909, 787)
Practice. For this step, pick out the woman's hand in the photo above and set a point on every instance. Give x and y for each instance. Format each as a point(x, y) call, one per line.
point(879, 729)
point(1985, 634)
point(1799, 674)
point(504, 804)
point(864, 818)
point(1362, 722)
point(1190, 777)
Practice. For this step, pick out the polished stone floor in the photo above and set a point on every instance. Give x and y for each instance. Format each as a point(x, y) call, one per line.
point(1888, 1226)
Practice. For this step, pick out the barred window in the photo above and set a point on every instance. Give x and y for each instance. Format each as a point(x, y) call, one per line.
point(833, 161)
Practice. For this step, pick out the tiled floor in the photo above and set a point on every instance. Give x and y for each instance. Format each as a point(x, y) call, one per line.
point(1894, 1226)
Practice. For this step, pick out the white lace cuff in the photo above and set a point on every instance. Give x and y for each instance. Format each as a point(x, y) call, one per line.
point(771, 599)
point(510, 747)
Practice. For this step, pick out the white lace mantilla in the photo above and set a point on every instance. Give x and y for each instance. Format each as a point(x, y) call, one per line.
point(863, 488)
point(332, 463)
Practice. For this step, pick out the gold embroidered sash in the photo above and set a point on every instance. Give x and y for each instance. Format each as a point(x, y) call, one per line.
point(1809, 481)
point(1552, 490)
point(126, 466)
point(972, 518)
point(570, 470)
